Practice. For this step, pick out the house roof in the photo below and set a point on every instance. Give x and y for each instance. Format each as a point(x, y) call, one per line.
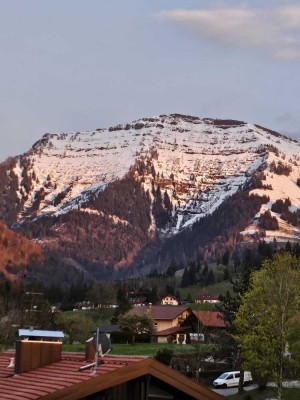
point(63, 380)
point(171, 331)
point(207, 297)
point(160, 312)
point(211, 319)
point(170, 296)
point(45, 382)
point(108, 328)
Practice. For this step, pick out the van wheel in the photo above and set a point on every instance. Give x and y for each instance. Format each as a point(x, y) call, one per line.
point(224, 386)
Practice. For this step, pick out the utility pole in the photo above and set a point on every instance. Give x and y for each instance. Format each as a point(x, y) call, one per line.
point(33, 307)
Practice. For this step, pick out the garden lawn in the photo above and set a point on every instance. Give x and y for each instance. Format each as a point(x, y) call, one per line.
point(149, 349)
point(141, 349)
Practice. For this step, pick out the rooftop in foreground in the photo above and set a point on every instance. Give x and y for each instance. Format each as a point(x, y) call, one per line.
point(126, 377)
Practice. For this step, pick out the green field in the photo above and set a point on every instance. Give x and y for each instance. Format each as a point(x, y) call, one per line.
point(215, 289)
point(143, 349)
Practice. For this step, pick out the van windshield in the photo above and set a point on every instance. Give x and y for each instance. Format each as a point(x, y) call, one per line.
point(223, 376)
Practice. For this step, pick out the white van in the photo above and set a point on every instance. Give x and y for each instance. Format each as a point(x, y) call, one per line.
point(232, 378)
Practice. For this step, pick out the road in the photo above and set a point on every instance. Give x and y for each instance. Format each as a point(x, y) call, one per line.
point(234, 390)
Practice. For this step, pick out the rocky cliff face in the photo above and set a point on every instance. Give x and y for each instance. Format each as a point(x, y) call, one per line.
point(138, 194)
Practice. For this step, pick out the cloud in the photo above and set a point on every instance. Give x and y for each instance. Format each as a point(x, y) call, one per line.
point(276, 30)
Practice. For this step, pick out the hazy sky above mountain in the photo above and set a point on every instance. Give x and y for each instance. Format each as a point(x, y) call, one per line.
point(70, 65)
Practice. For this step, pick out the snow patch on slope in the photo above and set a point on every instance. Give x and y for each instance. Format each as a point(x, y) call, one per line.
point(209, 161)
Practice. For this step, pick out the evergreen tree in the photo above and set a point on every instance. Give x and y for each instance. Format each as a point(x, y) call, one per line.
point(185, 280)
point(225, 258)
point(167, 202)
point(192, 273)
point(172, 268)
point(288, 247)
point(296, 250)
point(153, 297)
point(170, 290)
point(210, 280)
point(123, 305)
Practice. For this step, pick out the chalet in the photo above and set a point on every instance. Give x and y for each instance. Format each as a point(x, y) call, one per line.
point(42, 371)
point(210, 319)
point(164, 317)
point(169, 301)
point(137, 301)
point(208, 323)
point(176, 334)
point(207, 298)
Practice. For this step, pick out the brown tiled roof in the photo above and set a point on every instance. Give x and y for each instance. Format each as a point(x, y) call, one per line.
point(171, 331)
point(160, 312)
point(170, 296)
point(62, 380)
point(210, 318)
point(207, 297)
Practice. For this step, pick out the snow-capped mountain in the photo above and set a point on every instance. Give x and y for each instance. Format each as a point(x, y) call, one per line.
point(178, 169)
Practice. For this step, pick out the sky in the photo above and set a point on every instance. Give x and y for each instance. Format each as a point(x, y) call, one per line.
point(70, 65)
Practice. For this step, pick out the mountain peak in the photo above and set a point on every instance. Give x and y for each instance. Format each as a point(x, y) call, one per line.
point(181, 169)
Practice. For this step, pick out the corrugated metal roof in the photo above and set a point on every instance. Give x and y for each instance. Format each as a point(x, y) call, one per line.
point(51, 378)
point(40, 333)
point(63, 380)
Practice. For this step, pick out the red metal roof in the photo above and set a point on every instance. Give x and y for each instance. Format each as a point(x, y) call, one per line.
point(51, 378)
point(63, 380)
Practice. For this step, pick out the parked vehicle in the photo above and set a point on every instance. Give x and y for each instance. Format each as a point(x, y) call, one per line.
point(196, 337)
point(232, 378)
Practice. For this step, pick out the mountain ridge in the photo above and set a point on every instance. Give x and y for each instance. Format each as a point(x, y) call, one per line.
point(180, 169)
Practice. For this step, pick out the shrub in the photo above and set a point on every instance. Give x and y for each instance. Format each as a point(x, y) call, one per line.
point(266, 221)
point(121, 337)
point(142, 338)
point(280, 168)
point(164, 356)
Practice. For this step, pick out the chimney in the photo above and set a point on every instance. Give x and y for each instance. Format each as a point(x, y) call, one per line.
point(36, 349)
point(90, 350)
point(32, 354)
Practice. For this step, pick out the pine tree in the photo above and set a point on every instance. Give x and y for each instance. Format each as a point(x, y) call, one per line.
point(185, 280)
point(123, 305)
point(172, 268)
